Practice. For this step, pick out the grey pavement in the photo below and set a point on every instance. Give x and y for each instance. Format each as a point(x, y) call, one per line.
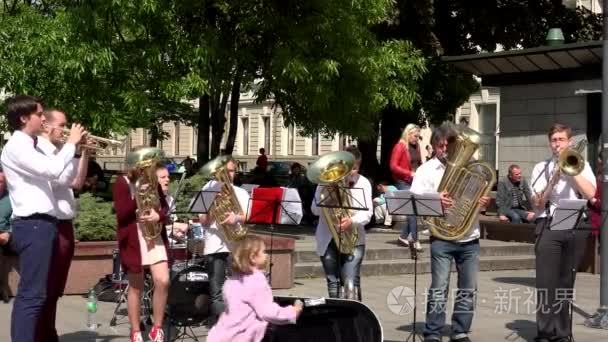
point(504, 308)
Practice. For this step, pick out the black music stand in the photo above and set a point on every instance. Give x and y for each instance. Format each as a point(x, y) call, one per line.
point(265, 210)
point(337, 198)
point(406, 203)
point(568, 219)
point(200, 202)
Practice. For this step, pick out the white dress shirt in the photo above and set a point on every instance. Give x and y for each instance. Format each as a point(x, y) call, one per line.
point(427, 179)
point(360, 217)
point(65, 204)
point(564, 189)
point(29, 172)
point(215, 240)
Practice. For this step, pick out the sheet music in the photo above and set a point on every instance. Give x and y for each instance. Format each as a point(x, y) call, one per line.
point(400, 203)
point(205, 198)
point(567, 213)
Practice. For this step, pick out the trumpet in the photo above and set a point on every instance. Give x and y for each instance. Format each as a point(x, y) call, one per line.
point(100, 143)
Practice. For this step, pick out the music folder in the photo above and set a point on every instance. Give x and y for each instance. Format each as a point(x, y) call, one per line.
point(405, 202)
point(567, 214)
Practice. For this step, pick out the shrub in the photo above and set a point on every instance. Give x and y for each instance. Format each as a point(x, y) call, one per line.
point(96, 220)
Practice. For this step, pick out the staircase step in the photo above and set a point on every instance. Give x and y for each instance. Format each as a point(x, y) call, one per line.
point(406, 266)
point(400, 252)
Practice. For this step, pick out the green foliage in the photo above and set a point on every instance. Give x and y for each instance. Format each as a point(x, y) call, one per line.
point(95, 221)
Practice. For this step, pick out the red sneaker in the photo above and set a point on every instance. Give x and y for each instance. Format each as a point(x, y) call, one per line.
point(157, 334)
point(136, 336)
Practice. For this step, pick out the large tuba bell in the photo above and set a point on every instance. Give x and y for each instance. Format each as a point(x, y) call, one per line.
point(145, 161)
point(330, 171)
point(465, 181)
point(226, 200)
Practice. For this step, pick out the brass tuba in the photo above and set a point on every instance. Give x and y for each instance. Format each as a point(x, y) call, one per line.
point(145, 161)
point(330, 171)
point(465, 181)
point(225, 201)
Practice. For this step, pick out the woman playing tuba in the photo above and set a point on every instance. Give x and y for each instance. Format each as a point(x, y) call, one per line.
point(141, 211)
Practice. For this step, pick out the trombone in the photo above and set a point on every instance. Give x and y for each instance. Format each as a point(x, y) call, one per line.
point(100, 143)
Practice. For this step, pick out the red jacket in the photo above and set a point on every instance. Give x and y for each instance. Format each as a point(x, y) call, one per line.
point(126, 234)
point(400, 162)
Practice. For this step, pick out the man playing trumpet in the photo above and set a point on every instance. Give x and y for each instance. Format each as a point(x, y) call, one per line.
point(50, 142)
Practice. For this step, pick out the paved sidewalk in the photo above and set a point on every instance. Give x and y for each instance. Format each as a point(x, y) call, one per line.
point(504, 312)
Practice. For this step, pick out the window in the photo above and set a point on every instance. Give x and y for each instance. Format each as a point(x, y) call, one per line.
point(245, 122)
point(343, 143)
point(315, 145)
point(267, 133)
point(291, 139)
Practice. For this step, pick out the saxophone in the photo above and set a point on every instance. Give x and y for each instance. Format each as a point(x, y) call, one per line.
point(145, 161)
point(225, 201)
point(466, 181)
point(330, 171)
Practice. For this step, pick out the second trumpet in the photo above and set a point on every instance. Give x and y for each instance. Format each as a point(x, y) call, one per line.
point(100, 143)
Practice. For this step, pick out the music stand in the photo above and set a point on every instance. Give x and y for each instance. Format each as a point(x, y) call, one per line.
point(567, 216)
point(336, 199)
point(404, 203)
point(265, 208)
point(200, 203)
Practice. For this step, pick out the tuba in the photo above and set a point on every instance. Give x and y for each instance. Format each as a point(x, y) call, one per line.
point(145, 162)
point(226, 200)
point(466, 181)
point(330, 171)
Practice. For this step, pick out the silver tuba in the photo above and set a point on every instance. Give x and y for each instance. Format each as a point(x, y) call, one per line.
point(145, 161)
point(330, 171)
point(466, 181)
point(226, 200)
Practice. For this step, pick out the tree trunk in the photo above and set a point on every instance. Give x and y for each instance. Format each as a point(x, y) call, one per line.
point(369, 161)
point(235, 96)
point(218, 120)
point(154, 135)
point(202, 141)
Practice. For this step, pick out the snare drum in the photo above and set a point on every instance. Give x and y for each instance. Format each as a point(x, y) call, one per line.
point(177, 253)
point(189, 300)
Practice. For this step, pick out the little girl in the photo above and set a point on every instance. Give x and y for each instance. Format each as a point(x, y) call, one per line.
point(248, 297)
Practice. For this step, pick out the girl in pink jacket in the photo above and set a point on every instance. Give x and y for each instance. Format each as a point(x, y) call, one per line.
point(248, 298)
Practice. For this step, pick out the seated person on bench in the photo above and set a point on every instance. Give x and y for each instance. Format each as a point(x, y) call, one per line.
point(513, 198)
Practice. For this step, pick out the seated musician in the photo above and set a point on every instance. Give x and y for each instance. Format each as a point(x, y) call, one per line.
point(513, 198)
point(339, 266)
point(249, 303)
point(136, 253)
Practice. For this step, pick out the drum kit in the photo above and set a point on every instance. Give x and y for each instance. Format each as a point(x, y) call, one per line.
point(188, 302)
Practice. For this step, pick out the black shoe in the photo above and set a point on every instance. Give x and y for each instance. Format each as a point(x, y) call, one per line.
point(461, 339)
point(432, 339)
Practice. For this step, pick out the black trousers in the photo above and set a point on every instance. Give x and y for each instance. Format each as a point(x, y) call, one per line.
point(216, 265)
point(558, 254)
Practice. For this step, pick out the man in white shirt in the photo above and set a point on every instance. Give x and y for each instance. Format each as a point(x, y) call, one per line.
point(556, 261)
point(29, 173)
point(464, 252)
point(50, 142)
point(338, 265)
point(216, 245)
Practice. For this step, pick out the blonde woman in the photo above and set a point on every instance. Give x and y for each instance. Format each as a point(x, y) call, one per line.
point(405, 159)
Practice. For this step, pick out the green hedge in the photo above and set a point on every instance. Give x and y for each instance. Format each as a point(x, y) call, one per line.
point(96, 220)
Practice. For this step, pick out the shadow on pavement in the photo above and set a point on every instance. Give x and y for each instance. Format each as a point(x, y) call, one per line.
point(521, 330)
point(525, 281)
point(88, 336)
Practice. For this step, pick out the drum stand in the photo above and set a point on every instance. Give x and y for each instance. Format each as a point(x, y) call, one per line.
point(146, 303)
point(183, 332)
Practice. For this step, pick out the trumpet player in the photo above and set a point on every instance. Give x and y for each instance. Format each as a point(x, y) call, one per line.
point(555, 249)
point(29, 174)
point(50, 142)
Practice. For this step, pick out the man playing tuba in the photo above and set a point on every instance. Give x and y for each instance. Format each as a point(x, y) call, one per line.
point(464, 251)
point(338, 265)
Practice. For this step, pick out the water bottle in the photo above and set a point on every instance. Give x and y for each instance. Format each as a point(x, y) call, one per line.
point(91, 310)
